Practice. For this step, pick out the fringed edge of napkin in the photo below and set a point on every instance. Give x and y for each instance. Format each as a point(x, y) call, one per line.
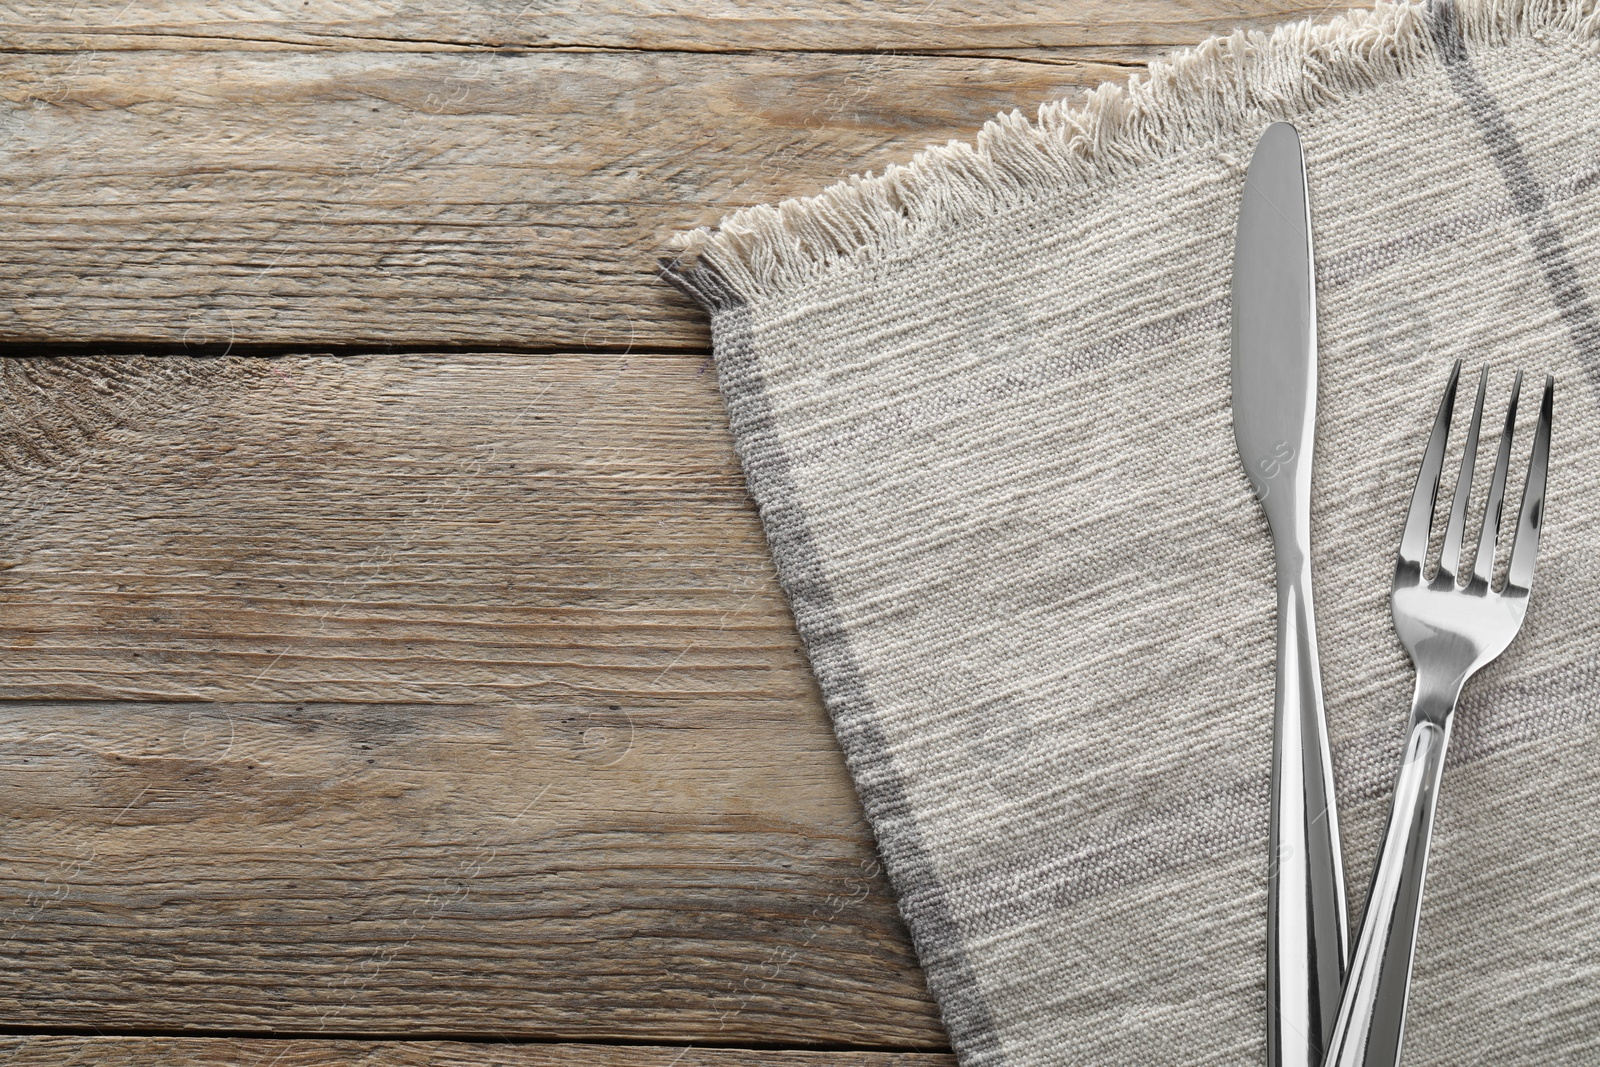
point(1197, 95)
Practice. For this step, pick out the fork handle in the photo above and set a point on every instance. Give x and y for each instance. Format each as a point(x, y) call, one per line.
point(1372, 1012)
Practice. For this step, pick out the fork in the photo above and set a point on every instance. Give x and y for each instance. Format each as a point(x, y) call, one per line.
point(1451, 628)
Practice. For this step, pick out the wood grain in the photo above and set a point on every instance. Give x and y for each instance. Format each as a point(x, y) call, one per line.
point(763, 25)
point(244, 1052)
point(499, 724)
point(453, 529)
point(649, 869)
point(204, 199)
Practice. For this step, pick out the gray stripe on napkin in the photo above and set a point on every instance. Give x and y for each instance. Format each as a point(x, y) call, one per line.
point(1549, 250)
point(922, 898)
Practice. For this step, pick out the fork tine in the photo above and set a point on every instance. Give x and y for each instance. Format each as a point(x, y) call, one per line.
point(1414, 542)
point(1450, 557)
point(1531, 518)
point(1483, 566)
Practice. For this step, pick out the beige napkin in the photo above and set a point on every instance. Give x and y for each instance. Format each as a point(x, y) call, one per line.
point(982, 401)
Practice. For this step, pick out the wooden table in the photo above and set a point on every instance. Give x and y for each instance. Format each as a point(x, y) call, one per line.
point(394, 669)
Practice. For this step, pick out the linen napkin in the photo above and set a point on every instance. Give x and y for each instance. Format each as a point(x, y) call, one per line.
point(982, 403)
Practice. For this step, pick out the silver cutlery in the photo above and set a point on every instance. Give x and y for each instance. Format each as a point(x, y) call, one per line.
point(1452, 625)
point(1274, 418)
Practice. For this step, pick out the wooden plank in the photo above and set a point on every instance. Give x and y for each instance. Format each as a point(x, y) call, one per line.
point(232, 1052)
point(645, 870)
point(202, 199)
point(453, 529)
point(499, 722)
point(762, 25)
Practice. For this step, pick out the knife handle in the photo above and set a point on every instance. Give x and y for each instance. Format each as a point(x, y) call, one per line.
point(1307, 928)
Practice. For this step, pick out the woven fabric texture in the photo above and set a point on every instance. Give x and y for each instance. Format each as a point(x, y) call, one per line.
point(982, 403)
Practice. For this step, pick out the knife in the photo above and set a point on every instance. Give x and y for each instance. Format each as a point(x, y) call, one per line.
point(1274, 420)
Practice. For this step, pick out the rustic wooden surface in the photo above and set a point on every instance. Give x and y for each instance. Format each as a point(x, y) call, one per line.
point(928, 26)
point(359, 685)
point(497, 721)
point(507, 179)
point(52, 1051)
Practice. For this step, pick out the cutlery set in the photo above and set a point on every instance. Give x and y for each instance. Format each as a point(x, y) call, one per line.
point(1326, 1004)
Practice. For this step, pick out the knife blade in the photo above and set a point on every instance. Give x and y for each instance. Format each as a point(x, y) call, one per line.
point(1274, 378)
